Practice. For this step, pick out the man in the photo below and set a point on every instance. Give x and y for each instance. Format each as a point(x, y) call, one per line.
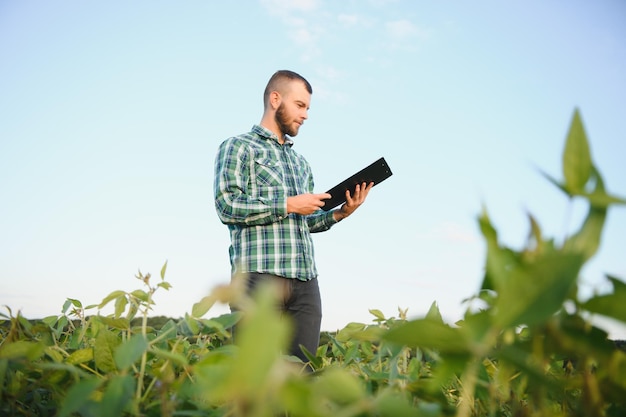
point(264, 194)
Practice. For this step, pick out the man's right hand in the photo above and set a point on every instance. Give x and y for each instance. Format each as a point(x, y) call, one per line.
point(306, 204)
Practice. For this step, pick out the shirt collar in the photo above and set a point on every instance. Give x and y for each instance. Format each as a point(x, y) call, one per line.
point(268, 134)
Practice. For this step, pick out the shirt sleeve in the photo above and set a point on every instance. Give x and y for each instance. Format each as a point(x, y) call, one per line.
point(321, 221)
point(233, 202)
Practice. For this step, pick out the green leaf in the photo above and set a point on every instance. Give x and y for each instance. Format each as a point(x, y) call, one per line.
point(349, 330)
point(604, 200)
point(188, 326)
point(130, 351)
point(168, 328)
point(78, 395)
point(132, 311)
point(619, 286)
point(531, 367)
point(587, 240)
point(578, 335)
point(535, 239)
point(213, 326)
point(51, 320)
point(141, 295)
point(69, 302)
point(228, 320)
point(163, 269)
point(427, 333)
point(337, 347)
point(369, 334)
point(340, 386)
point(610, 305)
point(297, 400)
point(165, 285)
point(556, 183)
point(393, 404)
point(54, 354)
point(80, 356)
point(316, 361)
point(251, 370)
point(22, 349)
point(117, 395)
point(116, 323)
point(76, 303)
point(60, 325)
point(200, 308)
point(434, 313)
point(120, 306)
point(576, 156)
point(104, 346)
point(172, 356)
point(477, 324)
point(378, 314)
point(499, 260)
point(75, 371)
point(536, 290)
point(111, 296)
point(191, 325)
point(248, 373)
point(25, 324)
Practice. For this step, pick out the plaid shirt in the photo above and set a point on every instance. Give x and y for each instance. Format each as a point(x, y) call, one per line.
point(254, 175)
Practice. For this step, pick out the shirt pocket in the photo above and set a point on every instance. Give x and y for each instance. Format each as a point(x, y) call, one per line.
point(267, 172)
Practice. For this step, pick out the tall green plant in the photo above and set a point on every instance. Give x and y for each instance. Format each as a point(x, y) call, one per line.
point(501, 359)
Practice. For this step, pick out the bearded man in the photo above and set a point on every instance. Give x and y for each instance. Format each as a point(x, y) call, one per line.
point(264, 195)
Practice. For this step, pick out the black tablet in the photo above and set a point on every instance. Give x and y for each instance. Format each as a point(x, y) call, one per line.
point(376, 172)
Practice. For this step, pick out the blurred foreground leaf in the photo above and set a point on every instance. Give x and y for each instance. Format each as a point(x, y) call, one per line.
point(427, 333)
point(130, 351)
point(536, 290)
point(576, 157)
point(612, 305)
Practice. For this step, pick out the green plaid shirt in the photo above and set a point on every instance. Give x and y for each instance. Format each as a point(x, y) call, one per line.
point(254, 175)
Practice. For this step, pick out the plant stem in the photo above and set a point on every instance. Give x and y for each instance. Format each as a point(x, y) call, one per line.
point(468, 386)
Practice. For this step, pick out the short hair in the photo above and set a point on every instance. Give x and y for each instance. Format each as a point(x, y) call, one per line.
point(278, 80)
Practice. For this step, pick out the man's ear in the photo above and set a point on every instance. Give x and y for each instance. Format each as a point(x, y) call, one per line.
point(275, 99)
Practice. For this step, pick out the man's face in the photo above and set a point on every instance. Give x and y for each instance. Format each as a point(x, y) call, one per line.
point(292, 110)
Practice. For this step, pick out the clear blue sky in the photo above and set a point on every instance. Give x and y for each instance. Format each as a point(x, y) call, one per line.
point(111, 113)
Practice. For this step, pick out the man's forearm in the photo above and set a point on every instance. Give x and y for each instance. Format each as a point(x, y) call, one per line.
point(339, 215)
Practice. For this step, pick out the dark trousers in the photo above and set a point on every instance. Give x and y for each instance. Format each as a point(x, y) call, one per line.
point(301, 301)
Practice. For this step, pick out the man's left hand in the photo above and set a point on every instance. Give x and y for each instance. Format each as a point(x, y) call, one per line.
point(353, 201)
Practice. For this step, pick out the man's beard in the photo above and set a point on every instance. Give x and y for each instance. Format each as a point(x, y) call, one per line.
point(283, 123)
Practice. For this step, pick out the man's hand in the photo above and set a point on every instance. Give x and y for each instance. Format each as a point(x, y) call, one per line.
point(306, 204)
point(353, 202)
